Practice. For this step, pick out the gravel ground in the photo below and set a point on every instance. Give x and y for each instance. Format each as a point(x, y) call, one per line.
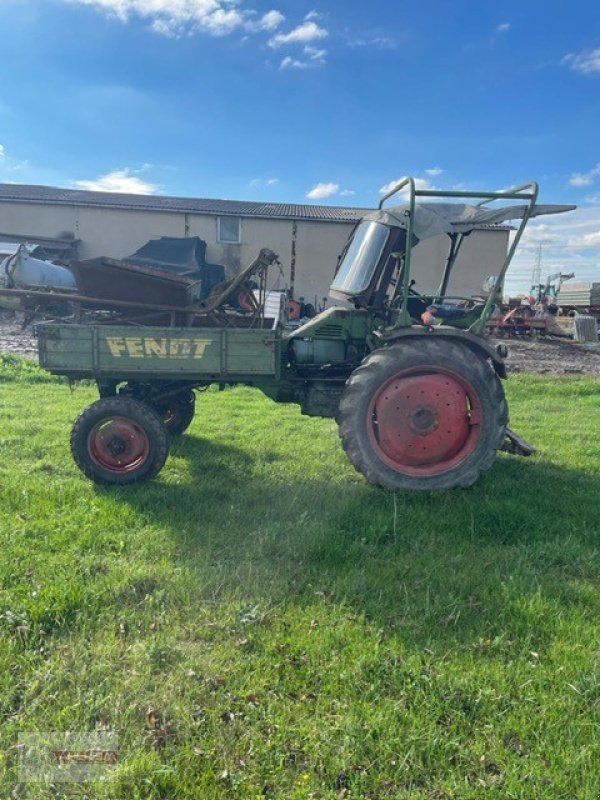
point(552, 356)
point(542, 355)
point(13, 338)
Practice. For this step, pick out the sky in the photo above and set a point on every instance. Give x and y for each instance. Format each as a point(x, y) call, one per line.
point(329, 103)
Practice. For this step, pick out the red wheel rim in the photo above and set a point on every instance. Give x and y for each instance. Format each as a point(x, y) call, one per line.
point(424, 421)
point(118, 444)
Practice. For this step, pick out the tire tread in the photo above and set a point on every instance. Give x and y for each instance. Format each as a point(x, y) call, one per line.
point(429, 351)
point(124, 406)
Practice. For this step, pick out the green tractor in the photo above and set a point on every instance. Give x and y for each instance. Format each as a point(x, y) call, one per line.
point(411, 380)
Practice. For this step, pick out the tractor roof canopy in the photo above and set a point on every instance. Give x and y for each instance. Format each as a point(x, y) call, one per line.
point(431, 219)
point(377, 258)
point(370, 241)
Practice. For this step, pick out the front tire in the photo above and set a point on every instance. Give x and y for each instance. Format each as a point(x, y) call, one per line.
point(423, 415)
point(119, 441)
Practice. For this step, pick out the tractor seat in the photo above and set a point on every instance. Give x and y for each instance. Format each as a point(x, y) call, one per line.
point(460, 316)
point(449, 312)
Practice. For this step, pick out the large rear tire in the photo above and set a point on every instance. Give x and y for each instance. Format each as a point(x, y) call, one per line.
point(119, 440)
point(426, 414)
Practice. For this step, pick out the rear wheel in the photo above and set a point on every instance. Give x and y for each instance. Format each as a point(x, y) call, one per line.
point(177, 411)
point(424, 414)
point(119, 440)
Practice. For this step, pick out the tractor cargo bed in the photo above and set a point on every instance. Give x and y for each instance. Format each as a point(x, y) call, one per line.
point(148, 353)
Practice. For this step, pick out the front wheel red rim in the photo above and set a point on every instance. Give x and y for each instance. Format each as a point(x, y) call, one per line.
point(118, 444)
point(424, 421)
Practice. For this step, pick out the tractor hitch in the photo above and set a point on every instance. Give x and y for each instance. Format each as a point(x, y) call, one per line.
point(516, 445)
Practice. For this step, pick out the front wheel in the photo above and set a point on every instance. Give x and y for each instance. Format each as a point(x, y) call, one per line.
point(423, 414)
point(119, 440)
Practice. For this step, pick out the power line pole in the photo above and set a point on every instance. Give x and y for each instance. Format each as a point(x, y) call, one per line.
point(536, 275)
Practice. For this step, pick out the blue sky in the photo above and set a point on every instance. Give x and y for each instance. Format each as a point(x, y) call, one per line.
point(328, 103)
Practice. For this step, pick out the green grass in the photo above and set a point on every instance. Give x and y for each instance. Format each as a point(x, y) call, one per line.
point(307, 635)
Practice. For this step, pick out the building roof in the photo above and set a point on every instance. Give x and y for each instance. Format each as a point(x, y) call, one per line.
point(52, 195)
point(20, 193)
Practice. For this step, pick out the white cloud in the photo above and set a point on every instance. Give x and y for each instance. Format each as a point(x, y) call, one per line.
point(176, 17)
point(305, 33)
point(347, 192)
point(263, 182)
point(271, 20)
point(539, 233)
point(586, 240)
point(585, 178)
point(315, 53)
point(268, 22)
point(375, 43)
point(315, 57)
point(587, 62)
point(1, 150)
point(294, 63)
point(323, 190)
point(120, 180)
point(433, 171)
point(503, 27)
point(222, 21)
point(420, 183)
point(313, 15)
point(166, 27)
point(570, 243)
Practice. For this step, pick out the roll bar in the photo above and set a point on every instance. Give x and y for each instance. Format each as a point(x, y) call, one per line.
point(513, 193)
point(524, 191)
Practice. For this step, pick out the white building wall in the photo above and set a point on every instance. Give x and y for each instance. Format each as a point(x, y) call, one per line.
point(34, 219)
point(119, 232)
point(482, 254)
point(115, 233)
point(318, 248)
point(255, 234)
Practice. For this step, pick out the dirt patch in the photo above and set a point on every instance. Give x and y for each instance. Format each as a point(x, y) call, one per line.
point(14, 339)
point(552, 356)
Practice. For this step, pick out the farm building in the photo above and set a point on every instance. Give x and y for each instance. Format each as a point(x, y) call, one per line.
point(82, 224)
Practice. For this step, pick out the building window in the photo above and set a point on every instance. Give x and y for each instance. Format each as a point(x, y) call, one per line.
point(229, 230)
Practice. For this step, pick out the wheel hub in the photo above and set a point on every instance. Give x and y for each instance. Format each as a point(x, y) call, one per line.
point(118, 444)
point(424, 421)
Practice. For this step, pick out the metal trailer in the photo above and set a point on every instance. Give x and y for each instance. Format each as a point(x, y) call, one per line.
point(411, 379)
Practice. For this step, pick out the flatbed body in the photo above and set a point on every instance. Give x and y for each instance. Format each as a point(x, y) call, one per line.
point(125, 352)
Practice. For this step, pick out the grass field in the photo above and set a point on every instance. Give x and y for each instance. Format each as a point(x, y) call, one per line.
point(261, 623)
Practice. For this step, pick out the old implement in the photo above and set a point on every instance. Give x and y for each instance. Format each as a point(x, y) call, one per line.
point(413, 383)
point(110, 279)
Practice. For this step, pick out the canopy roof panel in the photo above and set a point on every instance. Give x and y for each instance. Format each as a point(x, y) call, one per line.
point(431, 219)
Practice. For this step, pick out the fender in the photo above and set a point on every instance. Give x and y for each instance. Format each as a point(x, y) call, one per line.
point(480, 346)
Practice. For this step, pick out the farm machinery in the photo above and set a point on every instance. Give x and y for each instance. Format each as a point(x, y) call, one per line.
point(413, 383)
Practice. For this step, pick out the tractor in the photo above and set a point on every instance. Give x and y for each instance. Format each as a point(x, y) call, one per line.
point(413, 383)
